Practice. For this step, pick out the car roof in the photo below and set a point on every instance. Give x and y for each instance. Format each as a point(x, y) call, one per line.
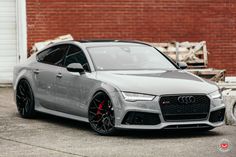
point(97, 43)
point(101, 42)
point(105, 42)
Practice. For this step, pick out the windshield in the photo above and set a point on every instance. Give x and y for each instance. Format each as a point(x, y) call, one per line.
point(128, 58)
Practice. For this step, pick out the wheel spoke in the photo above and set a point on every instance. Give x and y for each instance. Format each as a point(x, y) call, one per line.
point(21, 90)
point(93, 108)
point(18, 96)
point(95, 104)
point(106, 126)
point(98, 127)
point(97, 100)
point(98, 120)
point(27, 104)
point(23, 111)
point(92, 113)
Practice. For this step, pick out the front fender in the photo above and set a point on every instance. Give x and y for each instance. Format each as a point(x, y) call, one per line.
point(22, 73)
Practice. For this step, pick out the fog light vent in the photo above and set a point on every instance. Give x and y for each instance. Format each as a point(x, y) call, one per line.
point(217, 116)
point(141, 118)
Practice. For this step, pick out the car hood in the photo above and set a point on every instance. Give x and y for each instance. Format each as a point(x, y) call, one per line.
point(158, 82)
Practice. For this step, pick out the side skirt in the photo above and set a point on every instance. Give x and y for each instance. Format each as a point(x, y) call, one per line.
point(61, 114)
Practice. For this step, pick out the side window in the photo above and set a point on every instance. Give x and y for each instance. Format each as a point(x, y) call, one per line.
point(42, 54)
point(76, 55)
point(54, 55)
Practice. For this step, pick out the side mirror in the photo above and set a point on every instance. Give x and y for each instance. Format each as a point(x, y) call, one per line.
point(182, 65)
point(75, 67)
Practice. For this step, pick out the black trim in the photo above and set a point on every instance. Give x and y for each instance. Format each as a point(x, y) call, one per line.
point(217, 116)
point(53, 46)
point(141, 118)
point(68, 47)
point(168, 58)
point(187, 126)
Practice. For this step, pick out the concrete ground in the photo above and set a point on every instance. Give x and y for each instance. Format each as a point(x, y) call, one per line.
point(53, 136)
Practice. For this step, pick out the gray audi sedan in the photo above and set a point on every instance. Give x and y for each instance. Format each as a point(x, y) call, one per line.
point(114, 84)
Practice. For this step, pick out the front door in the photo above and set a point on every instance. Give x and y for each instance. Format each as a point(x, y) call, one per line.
point(72, 89)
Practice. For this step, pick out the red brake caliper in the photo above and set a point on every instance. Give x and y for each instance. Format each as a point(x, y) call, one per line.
point(100, 106)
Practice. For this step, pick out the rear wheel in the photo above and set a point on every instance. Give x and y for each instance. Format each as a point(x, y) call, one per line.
point(25, 99)
point(101, 114)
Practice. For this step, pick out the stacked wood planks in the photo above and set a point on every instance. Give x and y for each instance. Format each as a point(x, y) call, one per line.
point(195, 54)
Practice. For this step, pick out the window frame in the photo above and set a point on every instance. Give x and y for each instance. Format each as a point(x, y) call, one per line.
point(71, 44)
point(53, 48)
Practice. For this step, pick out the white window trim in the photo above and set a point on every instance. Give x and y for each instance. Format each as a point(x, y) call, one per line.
point(21, 24)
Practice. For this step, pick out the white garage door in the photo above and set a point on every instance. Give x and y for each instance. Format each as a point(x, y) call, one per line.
point(8, 39)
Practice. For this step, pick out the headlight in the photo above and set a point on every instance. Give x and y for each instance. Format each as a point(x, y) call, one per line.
point(216, 95)
point(137, 97)
point(216, 98)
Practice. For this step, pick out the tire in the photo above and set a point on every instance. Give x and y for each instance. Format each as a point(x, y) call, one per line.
point(101, 114)
point(25, 99)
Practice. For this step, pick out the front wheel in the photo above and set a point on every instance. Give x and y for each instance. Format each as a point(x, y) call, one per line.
point(101, 114)
point(25, 99)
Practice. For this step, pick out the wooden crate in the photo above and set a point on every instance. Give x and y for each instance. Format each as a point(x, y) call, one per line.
point(193, 53)
point(215, 75)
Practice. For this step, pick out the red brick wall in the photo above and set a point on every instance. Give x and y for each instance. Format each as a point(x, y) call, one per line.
point(148, 20)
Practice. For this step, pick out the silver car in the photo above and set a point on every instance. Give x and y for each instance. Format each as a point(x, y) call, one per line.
point(114, 85)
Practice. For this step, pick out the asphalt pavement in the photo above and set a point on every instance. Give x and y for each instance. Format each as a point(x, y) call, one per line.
point(51, 136)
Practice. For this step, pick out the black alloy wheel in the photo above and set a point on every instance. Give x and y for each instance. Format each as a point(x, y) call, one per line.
point(25, 99)
point(101, 114)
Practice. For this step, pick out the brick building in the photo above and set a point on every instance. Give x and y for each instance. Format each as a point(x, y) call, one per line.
point(148, 20)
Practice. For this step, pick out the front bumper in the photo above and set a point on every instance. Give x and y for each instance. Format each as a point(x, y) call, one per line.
point(123, 107)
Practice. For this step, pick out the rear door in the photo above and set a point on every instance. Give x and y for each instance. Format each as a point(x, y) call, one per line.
point(45, 74)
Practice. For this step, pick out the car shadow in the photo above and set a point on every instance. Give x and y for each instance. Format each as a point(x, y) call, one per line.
point(130, 134)
point(166, 134)
point(70, 123)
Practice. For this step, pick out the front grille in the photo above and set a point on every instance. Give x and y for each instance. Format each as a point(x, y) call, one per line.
point(174, 110)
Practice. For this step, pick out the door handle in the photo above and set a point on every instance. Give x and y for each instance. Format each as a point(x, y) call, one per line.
point(36, 71)
point(59, 75)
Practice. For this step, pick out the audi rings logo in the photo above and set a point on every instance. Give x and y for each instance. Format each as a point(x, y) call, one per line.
point(186, 99)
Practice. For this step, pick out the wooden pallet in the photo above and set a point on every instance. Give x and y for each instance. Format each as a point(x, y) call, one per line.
point(193, 53)
point(215, 75)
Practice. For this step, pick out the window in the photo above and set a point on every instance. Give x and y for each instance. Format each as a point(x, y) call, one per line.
point(54, 55)
point(128, 57)
point(76, 55)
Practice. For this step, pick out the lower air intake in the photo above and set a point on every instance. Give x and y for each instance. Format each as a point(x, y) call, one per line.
point(141, 118)
point(217, 116)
